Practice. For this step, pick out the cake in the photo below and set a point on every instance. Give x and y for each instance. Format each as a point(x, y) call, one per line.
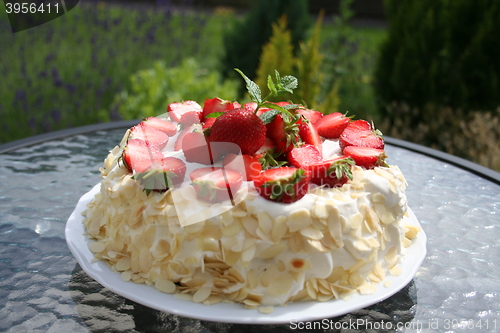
point(261, 204)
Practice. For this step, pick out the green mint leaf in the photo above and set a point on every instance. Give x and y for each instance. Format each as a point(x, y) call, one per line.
point(214, 115)
point(271, 86)
point(268, 116)
point(252, 87)
point(287, 84)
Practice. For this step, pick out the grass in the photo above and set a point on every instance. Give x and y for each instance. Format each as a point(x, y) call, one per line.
point(66, 72)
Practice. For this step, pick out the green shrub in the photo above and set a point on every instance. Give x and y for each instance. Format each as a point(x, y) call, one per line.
point(154, 88)
point(443, 53)
point(243, 43)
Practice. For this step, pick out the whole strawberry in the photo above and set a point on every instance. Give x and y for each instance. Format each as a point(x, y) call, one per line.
point(241, 127)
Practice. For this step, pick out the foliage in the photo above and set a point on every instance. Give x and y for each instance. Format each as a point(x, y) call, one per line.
point(153, 89)
point(64, 73)
point(277, 54)
point(443, 53)
point(350, 56)
point(473, 135)
point(306, 67)
point(243, 42)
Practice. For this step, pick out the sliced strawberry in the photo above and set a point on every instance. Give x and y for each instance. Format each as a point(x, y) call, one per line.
point(303, 156)
point(248, 166)
point(217, 104)
point(311, 115)
point(216, 184)
point(208, 123)
point(361, 134)
point(182, 134)
point(268, 145)
point(139, 155)
point(176, 110)
point(148, 134)
point(163, 125)
point(285, 135)
point(190, 118)
point(164, 174)
point(283, 184)
point(309, 134)
point(250, 106)
point(332, 125)
point(366, 157)
point(331, 173)
point(240, 127)
point(196, 149)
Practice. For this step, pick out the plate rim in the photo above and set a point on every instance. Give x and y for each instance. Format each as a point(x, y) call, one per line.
point(232, 312)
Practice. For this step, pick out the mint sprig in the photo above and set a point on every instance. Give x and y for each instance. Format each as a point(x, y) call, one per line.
point(280, 86)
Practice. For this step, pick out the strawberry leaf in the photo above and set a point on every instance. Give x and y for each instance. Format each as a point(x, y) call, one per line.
point(214, 115)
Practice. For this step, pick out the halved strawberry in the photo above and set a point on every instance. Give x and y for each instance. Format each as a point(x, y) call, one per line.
point(208, 123)
point(216, 184)
point(283, 184)
point(361, 134)
point(164, 174)
point(312, 115)
point(332, 125)
point(183, 133)
point(196, 149)
point(190, 118)
point(366, 157)
point(303, 156)
point(139, 155)
point(217, 104)
point(148, 134)
point(176, 110)
point(241, 127)
point(163, 125)
point(331, 173)
point(248, 166)
point(309, 134)
point(284, 133)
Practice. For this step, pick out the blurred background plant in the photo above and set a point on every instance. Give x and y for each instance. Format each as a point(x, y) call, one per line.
point(427, 71)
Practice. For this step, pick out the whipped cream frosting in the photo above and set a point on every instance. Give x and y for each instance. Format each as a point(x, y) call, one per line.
point(329, 244)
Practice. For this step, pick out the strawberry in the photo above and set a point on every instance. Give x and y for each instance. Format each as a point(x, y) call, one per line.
point(190, 118)
point(332, 125)
point(182, 134)
point(241, 127)
point(208, 123)
point(146, 133)
point(163, 174)
point(366, 157)
point(250, 106)
point(176, 110)
point(283, 184)
point(248, 166)
point(303, 156)
point(361, 134)
point(309, 134)
point(216, 104)
point(216, 184)
point(196, 149)
point(139, 155)
point(331, 173)
point(162, 125)
point(284, 133)
point(311, 115)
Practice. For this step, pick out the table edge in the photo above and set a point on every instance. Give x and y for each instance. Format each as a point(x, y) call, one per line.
point(459, 162)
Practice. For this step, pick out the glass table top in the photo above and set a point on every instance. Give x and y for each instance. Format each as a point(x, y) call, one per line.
point(43, 289)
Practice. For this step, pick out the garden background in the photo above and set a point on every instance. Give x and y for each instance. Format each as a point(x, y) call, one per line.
point(427, 71)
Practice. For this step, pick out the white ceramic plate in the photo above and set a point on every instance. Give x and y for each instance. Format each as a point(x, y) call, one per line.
point(227, 312)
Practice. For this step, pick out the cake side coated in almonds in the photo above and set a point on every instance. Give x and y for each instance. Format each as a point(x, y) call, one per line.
point(269, 242)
